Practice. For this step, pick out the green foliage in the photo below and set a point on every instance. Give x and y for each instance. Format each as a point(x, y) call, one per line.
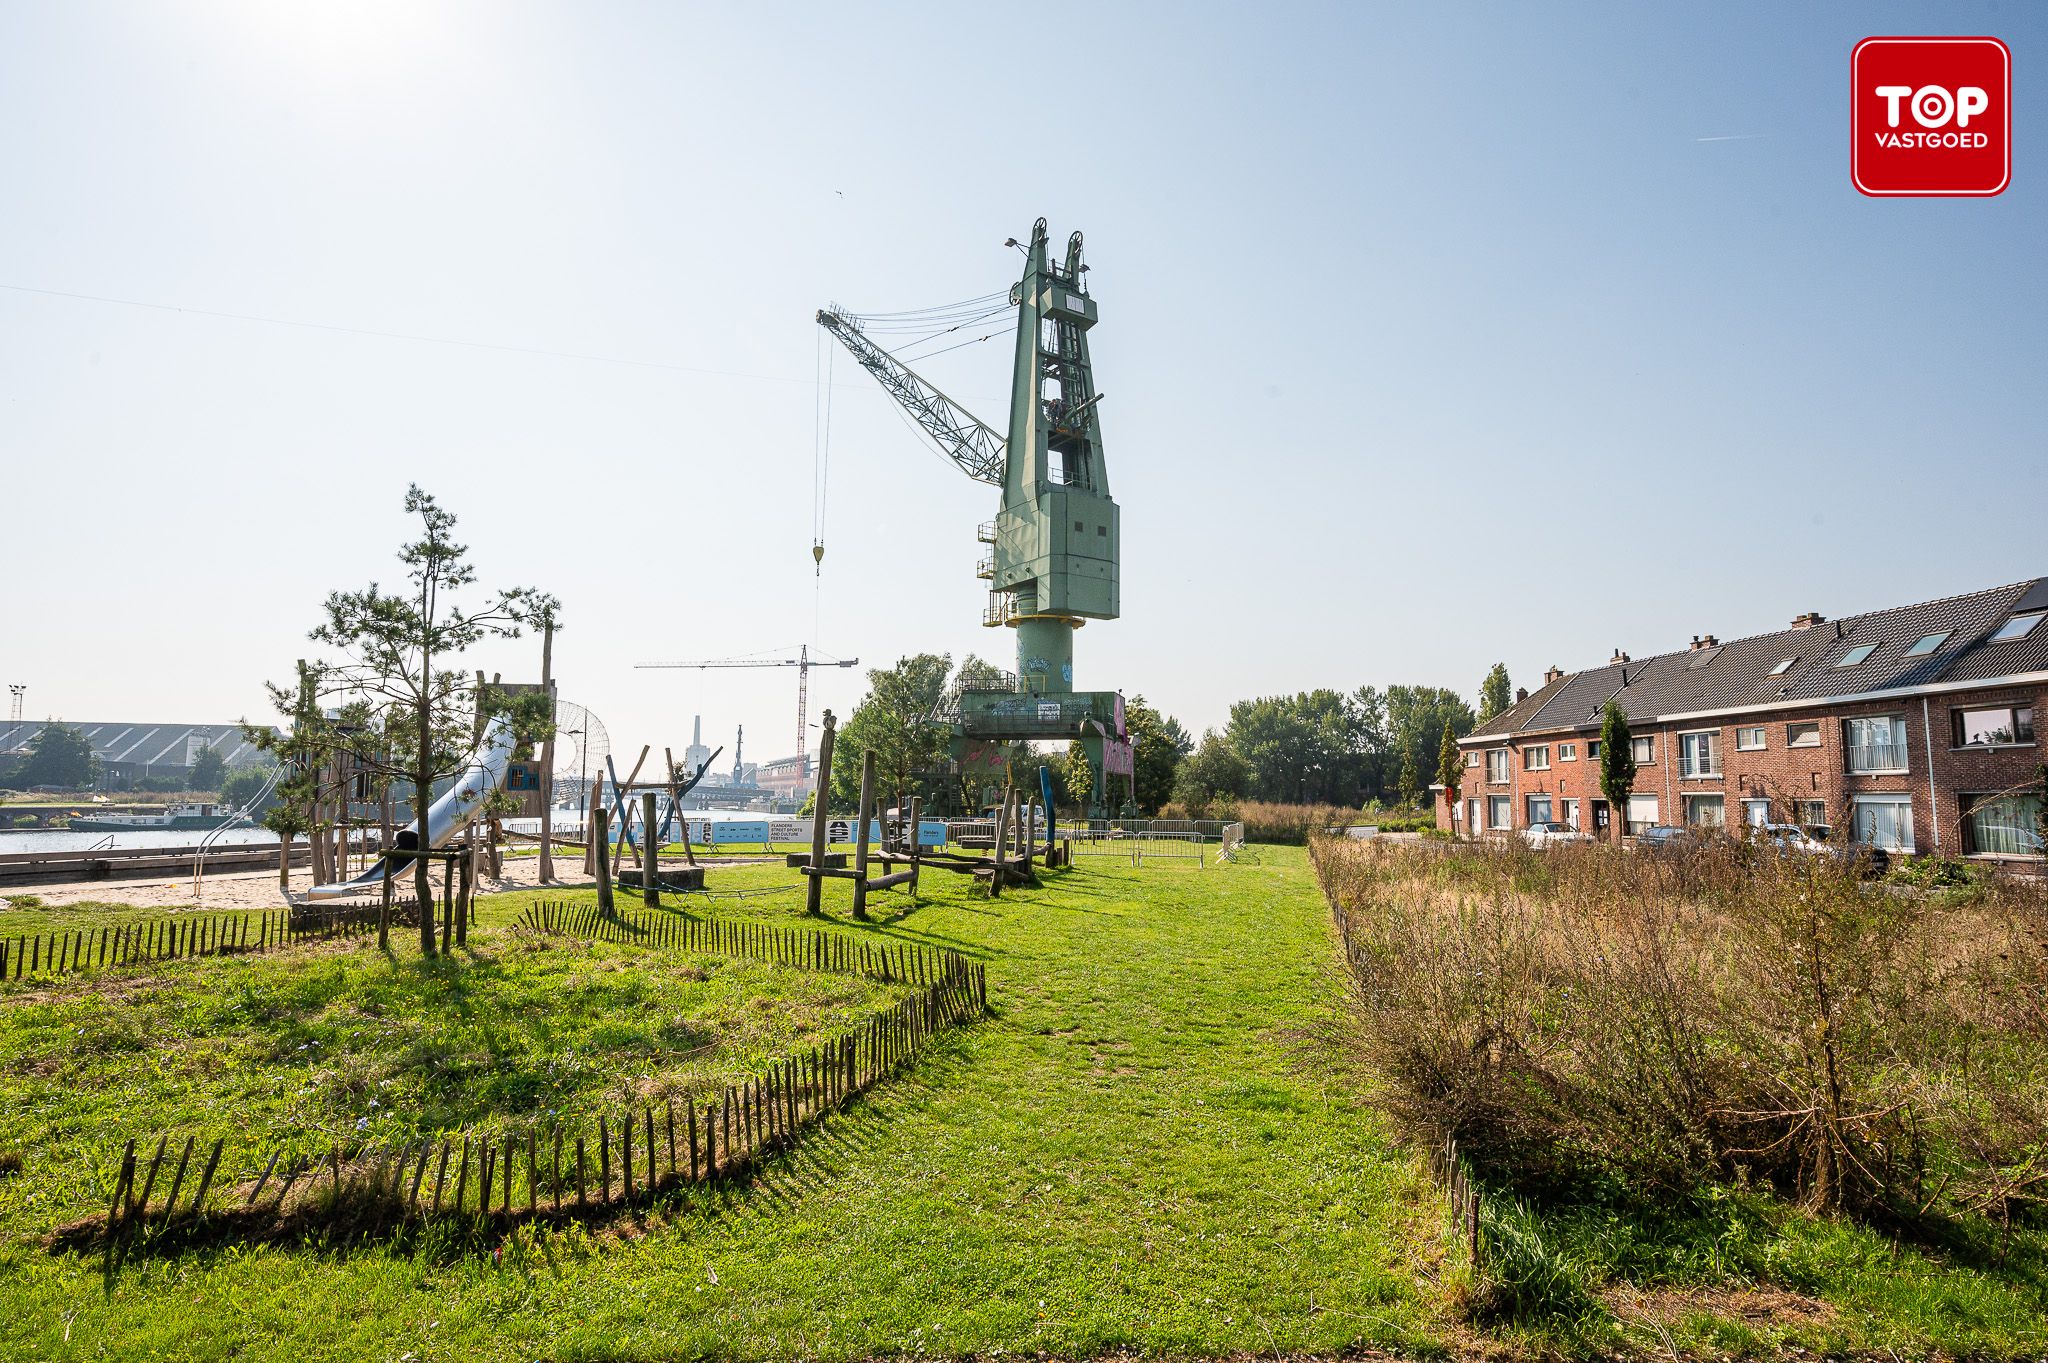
point(1617, 764)
point(1161, 747)
point(1308, 748)
point(1495, 693)
point(1077, 774)
point(897, 721)
point(241, 787)
point(59, 755)
point(1450, 766)
point(209, 769)
point(1214, 771)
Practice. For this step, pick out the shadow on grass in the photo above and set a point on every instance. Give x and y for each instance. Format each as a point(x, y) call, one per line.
point(338, 1212)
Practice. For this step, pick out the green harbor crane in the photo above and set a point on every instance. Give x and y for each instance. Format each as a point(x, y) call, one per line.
point(1053, 546)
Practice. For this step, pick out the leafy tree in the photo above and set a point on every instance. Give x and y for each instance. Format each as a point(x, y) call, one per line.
point(59, 755)
point(1077, 774)
point(898, 721)
point(1450, 770)
point(1213, 771)
point(1307, 748)
point(1417, 718)
point(1617, 765)
point(209, 769)
point(242, 787)
point(1495, 694)
point(1161, 746)
point(397, 647)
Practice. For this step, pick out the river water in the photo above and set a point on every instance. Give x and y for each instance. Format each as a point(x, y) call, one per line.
point(60, 840)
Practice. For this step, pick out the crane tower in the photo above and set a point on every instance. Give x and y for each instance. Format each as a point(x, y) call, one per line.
point(1055, 541)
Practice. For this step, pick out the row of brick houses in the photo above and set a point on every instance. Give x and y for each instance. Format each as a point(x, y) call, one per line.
point(1911, 729)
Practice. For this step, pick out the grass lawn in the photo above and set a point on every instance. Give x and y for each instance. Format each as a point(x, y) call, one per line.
point(1145, 1147)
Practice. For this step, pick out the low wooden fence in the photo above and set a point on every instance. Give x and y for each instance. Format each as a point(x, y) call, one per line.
point(64, 952)
point(806, 948)
point(536, 1170)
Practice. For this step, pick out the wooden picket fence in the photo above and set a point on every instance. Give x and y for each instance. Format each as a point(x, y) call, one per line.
point(538, 1170)
point(68, 951)
point(806, 948)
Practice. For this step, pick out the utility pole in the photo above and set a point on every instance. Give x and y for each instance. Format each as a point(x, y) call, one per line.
point(547, 758)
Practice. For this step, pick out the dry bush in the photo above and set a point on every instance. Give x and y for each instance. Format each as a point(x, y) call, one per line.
point(1583, 1014)
point(1294, 824)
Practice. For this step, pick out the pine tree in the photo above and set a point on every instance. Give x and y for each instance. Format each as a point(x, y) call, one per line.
point(1617, 765)
point(1495, 694)
point(1450, 771)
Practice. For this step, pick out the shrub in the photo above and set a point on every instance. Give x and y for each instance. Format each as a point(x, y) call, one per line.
point(1585, 1016)
point(1293, 824)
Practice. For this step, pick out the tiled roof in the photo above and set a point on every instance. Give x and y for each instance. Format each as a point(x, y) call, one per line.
point(168, 744)
point(1800, 664)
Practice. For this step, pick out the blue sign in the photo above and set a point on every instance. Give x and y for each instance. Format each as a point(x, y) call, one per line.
point(931, 832)
point(740, 830)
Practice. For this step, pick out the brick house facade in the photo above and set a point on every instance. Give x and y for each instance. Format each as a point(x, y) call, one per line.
point(1911, 729)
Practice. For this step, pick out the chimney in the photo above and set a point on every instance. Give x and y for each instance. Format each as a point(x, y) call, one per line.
point(1700, 641)
point(1618, 659)
point(1521, 694)
point(1554, 673)
point(1808, 620)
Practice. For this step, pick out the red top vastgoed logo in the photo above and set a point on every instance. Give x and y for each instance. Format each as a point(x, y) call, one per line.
point(1930, 117)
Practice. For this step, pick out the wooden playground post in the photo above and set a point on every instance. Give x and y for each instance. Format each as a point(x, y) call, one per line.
point(601, 848)
point(1029, 842)
point(916, 808)
point(814, 893)
point(860, 836)
point(590, 827)
point(547, 756)
point(675, 804)
point(384, 888)
point(995, 880)
point(650, 889)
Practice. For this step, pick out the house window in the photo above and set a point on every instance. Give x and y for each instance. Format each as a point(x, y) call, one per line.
point(1782, 668)
point(1756, 813)
point(1875, 743)
point(1539, 809)
point(1813, 817)
point(1497, 766)
point(1802, 735)
point(1471, 816)
point(1471, 759)
point(1642, 812)
point(1499, 811)
point(1884, 821)
point(1593, 750)
point(1750, 740)
point(1536, 758)
point(2002, 825)
point(2019, 627)
point(1705, 811)
point(1699, 754)
point(1567, 752)
point(1991, 727)
point(1857, 654)
point(1927, 644)
point(1644, 748)
point(1571, 813)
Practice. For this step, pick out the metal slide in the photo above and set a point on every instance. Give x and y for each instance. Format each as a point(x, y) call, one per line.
point(446, 817)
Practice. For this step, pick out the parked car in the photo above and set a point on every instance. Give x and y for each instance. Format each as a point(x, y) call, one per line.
point(1551, 835)
point(1792, 838)
point(1667, 837)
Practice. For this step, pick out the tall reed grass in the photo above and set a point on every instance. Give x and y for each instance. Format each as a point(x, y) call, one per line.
point(1584, 1015)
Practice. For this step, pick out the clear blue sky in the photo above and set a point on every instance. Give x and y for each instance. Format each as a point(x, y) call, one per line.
point(1432, 335)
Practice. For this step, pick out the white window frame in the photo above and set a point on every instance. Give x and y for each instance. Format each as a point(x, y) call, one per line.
point(1529, 803)
point(1536, 757)
point(1472, 758)
point(1571, 814)
point(1689, 765)
point(2011, 710)
point(1763, 738)
point(1756, 813)
point(1859, 802)
point(1687, 803)
point(1497, 766)
point(1636, 745)
point(1793, 742)
point(1567, 752)
point(1503, 802)
point(1854, 752)
point(1634, 802)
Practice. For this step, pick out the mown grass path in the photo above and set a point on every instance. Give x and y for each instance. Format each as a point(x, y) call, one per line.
point(1148, 1146)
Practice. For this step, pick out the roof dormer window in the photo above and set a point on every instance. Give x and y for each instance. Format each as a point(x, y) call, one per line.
point(1857, 655)
point(2019, 627)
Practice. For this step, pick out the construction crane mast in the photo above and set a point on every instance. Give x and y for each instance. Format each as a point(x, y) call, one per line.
point(803, 662)
point(1056, 540)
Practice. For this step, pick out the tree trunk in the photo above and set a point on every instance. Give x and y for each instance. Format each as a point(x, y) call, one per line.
point(547, 760)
